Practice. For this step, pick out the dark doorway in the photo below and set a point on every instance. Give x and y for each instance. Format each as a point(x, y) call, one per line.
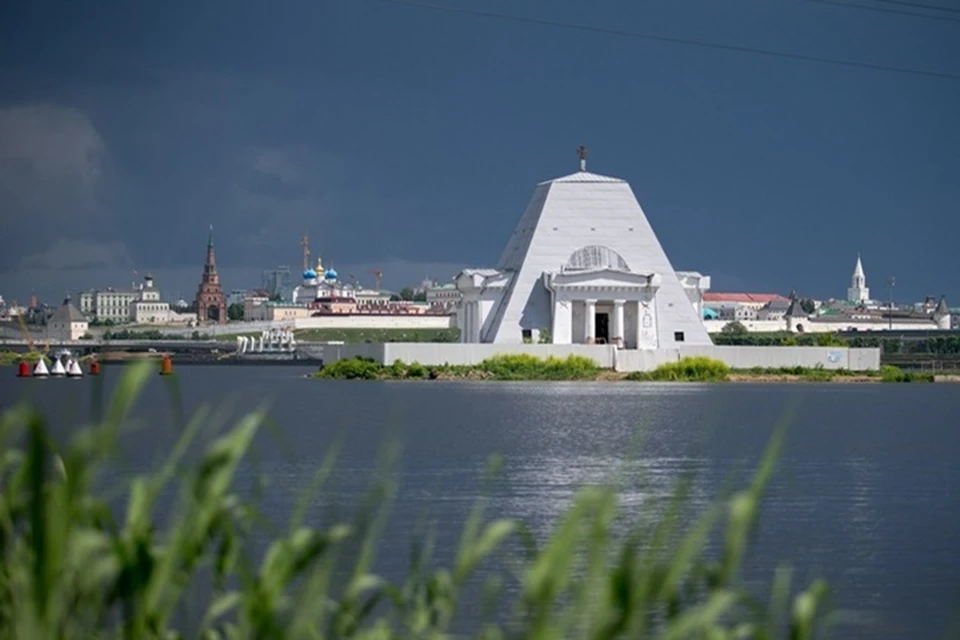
point(602, 328)
point(213, 313)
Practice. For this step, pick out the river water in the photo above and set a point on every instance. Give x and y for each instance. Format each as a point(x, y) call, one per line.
point(865, 495)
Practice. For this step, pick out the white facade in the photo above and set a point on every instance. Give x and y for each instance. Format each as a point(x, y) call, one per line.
point(140, 305)
point(108, 304)
point(446, 296)
point(67, 323)
point(858, 290)
point(584, 265)
point(148, 308)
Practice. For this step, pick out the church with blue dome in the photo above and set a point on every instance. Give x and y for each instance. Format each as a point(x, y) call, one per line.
point(319, 284)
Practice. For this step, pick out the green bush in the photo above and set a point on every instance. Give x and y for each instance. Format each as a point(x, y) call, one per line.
point(528, 367)
point(890, 373)
point(8, 358)
point(694, 369)
point(69, 570)
point(397, 369)
point(416, 370)
point(351, 369)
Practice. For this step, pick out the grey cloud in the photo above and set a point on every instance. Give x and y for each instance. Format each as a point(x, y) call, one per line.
point(51, 162)
point(79, 254)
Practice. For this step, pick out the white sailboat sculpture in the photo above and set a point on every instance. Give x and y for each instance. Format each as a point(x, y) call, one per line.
point(57, 368)
point(74, 370)
point(40, 370)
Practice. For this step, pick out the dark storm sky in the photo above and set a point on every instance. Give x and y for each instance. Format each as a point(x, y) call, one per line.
point(412, 137)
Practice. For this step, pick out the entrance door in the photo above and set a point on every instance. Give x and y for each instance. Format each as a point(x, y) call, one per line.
point(602, 328)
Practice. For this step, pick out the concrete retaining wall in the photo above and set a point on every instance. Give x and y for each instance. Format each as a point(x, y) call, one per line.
point(435, 353)
point(610, 357)
point(762, 357)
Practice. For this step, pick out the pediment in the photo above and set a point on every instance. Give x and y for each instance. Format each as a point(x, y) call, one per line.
point(601, 279)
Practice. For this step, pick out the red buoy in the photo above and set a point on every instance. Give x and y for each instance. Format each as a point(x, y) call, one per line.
point(166, 366)
point(94, 367)
point(23, 371)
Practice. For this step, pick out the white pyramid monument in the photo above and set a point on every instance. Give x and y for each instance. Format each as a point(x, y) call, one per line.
point(585, 266)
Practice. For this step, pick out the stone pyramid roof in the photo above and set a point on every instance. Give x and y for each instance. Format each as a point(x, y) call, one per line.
point(67, 313)
point(795, 310)
point(584, 176)
point(942, 308)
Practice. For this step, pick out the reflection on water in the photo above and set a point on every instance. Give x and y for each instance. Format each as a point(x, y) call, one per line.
point(865, 494)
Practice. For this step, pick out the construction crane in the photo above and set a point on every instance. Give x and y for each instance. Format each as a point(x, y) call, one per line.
point(23, 326)
point(377, 274)
point(305, 244)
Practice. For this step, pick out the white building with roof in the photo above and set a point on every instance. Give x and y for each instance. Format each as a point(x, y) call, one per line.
point(67, 323)
point(585, 266)
point(149, 309)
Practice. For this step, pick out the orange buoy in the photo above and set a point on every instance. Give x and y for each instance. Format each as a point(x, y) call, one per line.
point(94, 367)
point(166, 366)
point(23, 371)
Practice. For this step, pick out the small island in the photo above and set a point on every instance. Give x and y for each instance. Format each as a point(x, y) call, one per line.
point(531, 368)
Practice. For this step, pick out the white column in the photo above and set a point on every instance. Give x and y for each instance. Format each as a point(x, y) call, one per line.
point(591, 321)
point(472, 314)
point(562, 332)
point(476, 320)
point(618, 322)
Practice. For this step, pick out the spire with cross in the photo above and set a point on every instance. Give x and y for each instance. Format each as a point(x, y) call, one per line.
point(582, 154)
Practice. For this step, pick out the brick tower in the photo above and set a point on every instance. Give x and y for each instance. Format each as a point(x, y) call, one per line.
point(211, 304)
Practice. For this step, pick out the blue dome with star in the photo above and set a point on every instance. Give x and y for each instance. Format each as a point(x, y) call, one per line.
point(309, 274)
point(331, 274)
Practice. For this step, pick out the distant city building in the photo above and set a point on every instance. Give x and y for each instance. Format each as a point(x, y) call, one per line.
point(746, 306)
point(138, 304)
point(211, 303)
point(321, 293)
point(324, 283)
point(148, 308)
point(858, 292)
point(238, 296)
point(775, 310)
point(443, 296)
point(278, 282)
point(67, 323)
point(108, 304)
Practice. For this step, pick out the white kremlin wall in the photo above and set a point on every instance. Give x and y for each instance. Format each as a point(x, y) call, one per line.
point(322, 322)
point(770, 326)
point(374, 322)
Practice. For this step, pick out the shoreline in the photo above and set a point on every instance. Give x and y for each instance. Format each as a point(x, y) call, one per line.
point(616, 376)
point(577, 368)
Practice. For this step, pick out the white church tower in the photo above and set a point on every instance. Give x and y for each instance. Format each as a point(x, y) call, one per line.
point(584, 266)
point(858, 291)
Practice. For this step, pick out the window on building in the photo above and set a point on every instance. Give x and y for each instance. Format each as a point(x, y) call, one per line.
point(678, 336)
point(527, 335)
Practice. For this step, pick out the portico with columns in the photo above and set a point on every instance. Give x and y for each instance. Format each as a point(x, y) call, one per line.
point(604, 307)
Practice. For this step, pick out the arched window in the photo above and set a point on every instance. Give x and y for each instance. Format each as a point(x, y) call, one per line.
point(596, 256)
